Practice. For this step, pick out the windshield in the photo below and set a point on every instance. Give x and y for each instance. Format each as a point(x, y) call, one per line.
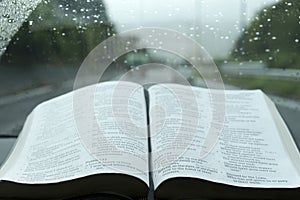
point(254, 45)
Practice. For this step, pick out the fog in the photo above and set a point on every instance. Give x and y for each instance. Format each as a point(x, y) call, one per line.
point(215, 24)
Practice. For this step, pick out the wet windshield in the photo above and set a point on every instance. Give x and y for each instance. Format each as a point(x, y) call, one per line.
point(254, 44)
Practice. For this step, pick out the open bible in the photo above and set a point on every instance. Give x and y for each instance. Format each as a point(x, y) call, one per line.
point(173, 140)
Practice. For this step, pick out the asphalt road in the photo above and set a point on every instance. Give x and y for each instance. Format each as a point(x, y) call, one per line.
point(15, 108)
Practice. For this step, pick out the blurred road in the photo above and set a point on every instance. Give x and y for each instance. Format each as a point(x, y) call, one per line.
point(257, 69)
point(15, 108)
point(23, 87)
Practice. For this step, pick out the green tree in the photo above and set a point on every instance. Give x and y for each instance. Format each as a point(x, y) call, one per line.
point(59, 32)
point(273, 36)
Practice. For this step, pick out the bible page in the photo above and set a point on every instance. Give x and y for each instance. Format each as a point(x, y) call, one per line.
point(247, 151)
point(80, 134)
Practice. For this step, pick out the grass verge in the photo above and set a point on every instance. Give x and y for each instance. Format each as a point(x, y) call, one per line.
point(279, 87)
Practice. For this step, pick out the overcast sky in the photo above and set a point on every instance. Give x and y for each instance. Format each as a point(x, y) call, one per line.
point(217, 22)
point(144, 11)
